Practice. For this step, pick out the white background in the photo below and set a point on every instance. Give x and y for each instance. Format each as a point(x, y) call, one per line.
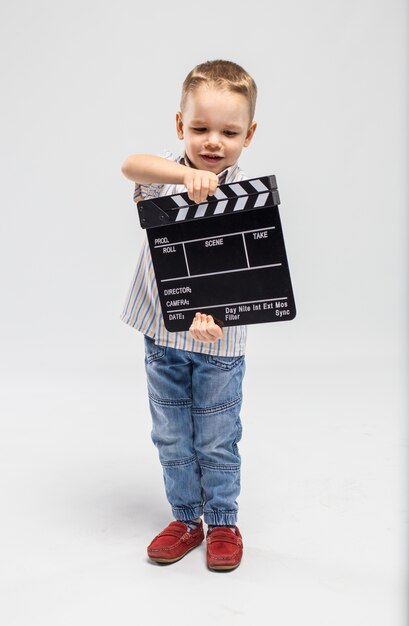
point(323, 508)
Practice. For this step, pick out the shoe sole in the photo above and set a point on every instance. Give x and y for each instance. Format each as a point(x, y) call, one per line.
point(223, 567)
point(159, 560)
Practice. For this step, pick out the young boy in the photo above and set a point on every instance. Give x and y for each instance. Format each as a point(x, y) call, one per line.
point(195, 378)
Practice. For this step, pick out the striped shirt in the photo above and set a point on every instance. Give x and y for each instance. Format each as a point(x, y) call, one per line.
point(142, 308)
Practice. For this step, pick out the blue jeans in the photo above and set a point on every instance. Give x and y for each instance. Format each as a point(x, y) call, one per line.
point(195, 402)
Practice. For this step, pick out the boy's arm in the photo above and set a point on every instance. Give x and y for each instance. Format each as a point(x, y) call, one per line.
point(148, 168)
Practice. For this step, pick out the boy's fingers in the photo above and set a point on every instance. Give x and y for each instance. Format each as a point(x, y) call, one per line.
point(190, 191)
point(197, 186)
point(213, 329)
point(203, 194)
point(196, 324)
point(203, 328)
point(193, 190)
point(212, 188)
point(213, 184)
point(202, 185)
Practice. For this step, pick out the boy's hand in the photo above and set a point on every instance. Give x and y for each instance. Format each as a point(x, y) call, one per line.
point(204, 328)
point(199, 184)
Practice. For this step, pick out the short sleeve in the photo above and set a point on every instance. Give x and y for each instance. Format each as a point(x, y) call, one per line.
point(152, 190)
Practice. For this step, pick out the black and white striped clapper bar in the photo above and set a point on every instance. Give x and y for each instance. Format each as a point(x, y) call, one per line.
point(225, 257)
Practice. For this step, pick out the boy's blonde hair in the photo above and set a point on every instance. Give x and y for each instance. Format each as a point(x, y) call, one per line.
point(224, 75)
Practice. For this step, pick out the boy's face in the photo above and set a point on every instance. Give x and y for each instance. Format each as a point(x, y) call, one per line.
point(215, 127)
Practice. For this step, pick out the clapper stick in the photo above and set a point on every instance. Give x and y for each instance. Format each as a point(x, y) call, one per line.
point(225, 257)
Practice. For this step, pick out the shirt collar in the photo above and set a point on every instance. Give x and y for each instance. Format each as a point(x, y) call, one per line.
point(223, 177)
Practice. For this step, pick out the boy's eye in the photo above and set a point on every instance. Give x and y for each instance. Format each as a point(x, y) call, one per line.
point(229, 133)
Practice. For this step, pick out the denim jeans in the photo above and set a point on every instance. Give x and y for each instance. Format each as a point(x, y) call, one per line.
point(195, 402)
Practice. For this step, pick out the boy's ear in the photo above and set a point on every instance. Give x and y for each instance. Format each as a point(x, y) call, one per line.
point(250, 133)
point(179, 125)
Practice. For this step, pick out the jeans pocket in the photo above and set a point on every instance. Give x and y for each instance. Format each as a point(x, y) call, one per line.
point(225, 362)
point(153, 351)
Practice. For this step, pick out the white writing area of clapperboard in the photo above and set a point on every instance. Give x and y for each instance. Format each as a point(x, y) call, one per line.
point(225, 257)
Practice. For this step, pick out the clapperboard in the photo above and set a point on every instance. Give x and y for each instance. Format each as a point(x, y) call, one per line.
point(225, 257)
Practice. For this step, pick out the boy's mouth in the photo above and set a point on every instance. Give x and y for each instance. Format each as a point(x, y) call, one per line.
point(210, 158)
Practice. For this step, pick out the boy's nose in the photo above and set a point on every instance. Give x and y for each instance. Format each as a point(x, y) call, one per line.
point(212, 141)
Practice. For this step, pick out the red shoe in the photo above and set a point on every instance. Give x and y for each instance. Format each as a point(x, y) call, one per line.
point(224, 547)
point(174, 542)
